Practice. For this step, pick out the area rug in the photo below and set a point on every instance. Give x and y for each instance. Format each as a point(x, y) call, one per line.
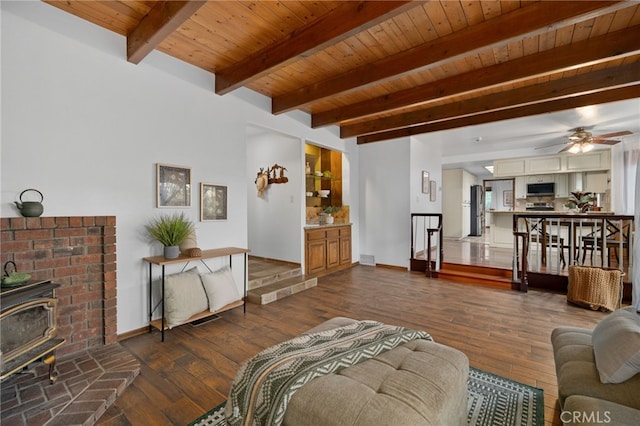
point(492, 401)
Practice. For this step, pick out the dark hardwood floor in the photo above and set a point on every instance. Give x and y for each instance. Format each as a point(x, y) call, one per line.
point(501, 331)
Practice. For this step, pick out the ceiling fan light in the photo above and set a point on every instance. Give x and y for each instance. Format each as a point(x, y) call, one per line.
point(587, 147)
point(575, 148)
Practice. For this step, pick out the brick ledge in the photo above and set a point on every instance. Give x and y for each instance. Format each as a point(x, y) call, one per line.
point(88, 383)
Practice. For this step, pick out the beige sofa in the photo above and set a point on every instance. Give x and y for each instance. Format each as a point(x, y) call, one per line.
point(597, 371)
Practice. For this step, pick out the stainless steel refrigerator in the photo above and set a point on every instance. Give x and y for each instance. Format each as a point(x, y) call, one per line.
point(477, 210)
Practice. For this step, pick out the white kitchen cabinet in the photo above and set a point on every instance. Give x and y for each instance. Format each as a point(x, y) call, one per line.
point(576, 182)
point(562, 185)
point(551, 164)
point(595, 160)
point(597, 182)
point(514, 167)
point(521, 187)
point(540, 178)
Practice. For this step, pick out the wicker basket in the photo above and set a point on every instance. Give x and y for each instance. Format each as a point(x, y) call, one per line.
point(194, 252)
point(596, 288)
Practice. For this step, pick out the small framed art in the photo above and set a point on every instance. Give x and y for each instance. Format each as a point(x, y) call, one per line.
point(425, 182)
point(432, 190)
point(507, 198)
point(213, 202)
point(173, 186)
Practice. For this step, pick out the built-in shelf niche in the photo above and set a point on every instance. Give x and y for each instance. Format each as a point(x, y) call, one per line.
point(322, 160)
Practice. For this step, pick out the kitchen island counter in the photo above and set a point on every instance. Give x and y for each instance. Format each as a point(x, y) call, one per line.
point(501, 228)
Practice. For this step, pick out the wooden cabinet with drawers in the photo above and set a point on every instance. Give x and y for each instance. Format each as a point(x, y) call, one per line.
point(327, 249)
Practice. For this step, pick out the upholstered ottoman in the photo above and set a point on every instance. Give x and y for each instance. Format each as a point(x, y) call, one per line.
point(418, 383)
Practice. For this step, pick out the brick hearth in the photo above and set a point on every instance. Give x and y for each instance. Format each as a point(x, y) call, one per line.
point(79, 253)
point(88, 383)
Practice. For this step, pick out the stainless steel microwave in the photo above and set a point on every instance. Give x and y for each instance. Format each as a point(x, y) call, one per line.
point(546, 189)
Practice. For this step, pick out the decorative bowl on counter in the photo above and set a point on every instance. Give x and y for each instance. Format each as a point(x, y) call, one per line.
point(323, 193)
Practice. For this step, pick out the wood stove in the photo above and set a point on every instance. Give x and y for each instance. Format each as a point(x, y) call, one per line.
point(28, 327)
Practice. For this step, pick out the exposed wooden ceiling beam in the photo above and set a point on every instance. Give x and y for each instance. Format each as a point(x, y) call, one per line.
point(593, 81)
point(587, 52)
point(556, 89)
point(602, 97)
point(162, 20)
point(345, 21)
point(524, 22)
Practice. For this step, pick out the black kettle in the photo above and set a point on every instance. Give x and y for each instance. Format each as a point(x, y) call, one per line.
point(30, 208)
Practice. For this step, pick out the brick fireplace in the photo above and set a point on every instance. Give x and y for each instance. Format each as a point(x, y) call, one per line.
point(79, 254)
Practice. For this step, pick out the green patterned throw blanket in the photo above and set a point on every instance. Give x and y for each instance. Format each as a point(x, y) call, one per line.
point(265, 384)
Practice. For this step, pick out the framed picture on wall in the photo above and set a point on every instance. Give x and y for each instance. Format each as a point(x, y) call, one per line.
point(213, 202)
point(432, 190)
point(173, 186)
point(507, 198)
point(425, 182)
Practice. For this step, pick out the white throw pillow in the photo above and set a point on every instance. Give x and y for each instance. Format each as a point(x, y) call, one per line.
point(184, 296)
point(220, 287)
point(616, 346)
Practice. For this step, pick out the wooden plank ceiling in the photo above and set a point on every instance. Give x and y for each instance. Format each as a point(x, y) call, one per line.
point(387, 69)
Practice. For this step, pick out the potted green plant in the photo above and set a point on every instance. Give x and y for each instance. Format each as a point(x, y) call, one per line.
point(582, 201)
point(328, 218)
point(170, 230)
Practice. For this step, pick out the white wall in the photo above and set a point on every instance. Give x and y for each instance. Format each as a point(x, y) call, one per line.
point(390, 190)
point(350, 193)
point(384, 201)
point(275, 220)
point(426, 154)
point(86, 128)
point(497, 193)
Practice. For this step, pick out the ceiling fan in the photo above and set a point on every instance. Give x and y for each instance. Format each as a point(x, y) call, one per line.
point(583, 141)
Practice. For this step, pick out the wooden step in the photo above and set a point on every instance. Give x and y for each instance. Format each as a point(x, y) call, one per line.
point(278, 290)
point(479, 275)
point(484, 270)
point(274, 274)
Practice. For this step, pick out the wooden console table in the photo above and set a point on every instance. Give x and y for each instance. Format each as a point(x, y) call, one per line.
point(161, 261)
